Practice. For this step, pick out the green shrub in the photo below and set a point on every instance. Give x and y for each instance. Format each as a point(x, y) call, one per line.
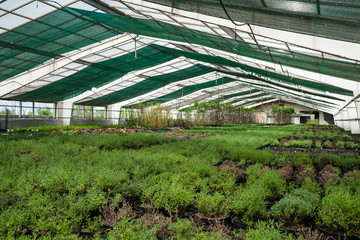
point(340, 144)
point(171, 196)
point(268, 178)
point(212, 204)
point(269, 231)
point(318, 144)
point(311, 186)
point(345, 136)
point(340, 211)
point(182, 229)
point(250, 203)
point(328, 144)
point(293, 143)
point(347, 163)
point(351, 145)
point(275, 143)
point(95, 198)
point(131, 230)
point(306, 143)
point(294, 207)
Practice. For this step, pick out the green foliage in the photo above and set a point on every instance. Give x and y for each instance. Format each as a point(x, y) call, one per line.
point(44, 111)
point(268, 230)
point(171, 196)
point(294, 207)
point(318, 144)
point(268, 178)
point(328, 144)
point(340, 144)
point(306, 143)
point(312, 121)
point(250, 202)
point(212, 204)
point(352, 145)
point(340, 211)
point(53, 185)
point(311, 186)
point(275, 143)
point(293, 143)
point(282, 114)
point(131, 230)
point(6, 112)
point(182, 229)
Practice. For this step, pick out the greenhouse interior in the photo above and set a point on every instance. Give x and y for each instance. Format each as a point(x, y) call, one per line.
point(180, 119)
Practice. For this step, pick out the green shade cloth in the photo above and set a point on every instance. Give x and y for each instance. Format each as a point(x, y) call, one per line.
point(334, 19)
point(148, 85)
point(188, 90)
point(167, 31)
point(259, 73)
point(47, 37)
point(96, 75)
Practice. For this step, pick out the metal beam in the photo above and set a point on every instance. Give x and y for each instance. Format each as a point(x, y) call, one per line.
point(104, 7)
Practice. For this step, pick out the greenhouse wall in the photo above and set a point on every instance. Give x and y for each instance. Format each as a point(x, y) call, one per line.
point(296, 118)
point(348, 117)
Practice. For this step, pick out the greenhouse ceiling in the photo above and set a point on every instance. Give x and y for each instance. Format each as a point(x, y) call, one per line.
point(105, 52)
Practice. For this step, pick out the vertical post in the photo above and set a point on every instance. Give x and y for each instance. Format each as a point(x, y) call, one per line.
point(55, 110)
point(64, 110)
point(92, 112)
point(106, 113)
point(83, 111)
point(20, 115)
point(33, 109)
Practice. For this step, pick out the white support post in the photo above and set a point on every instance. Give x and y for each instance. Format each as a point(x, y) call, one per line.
point(64, 110)
point(113, 113)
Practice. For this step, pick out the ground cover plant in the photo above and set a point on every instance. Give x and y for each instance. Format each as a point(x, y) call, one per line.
point(321, 138)
point(143, 185)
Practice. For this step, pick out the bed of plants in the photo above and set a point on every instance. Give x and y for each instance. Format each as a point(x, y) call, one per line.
point(319, 138)
point(144, 186)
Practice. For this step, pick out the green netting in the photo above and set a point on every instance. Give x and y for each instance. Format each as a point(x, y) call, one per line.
point(259, 73)
point(188, 90)
point(45, 38)
point(96, 75)
point(314, 104)
point(167, 31)
point(239, 94)
point(259, 87)
point(148, 85)
point(250, 97)
point(258, 100)
point(335, 19)
point(101, 73)
point(290, 88)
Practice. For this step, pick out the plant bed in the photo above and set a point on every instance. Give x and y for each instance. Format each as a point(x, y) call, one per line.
point(185, 136)
point(59, 186)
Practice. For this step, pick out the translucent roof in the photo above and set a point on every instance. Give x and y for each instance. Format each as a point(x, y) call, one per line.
point(102, 52)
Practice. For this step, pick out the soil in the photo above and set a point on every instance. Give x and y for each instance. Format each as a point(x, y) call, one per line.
point(185, 136)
